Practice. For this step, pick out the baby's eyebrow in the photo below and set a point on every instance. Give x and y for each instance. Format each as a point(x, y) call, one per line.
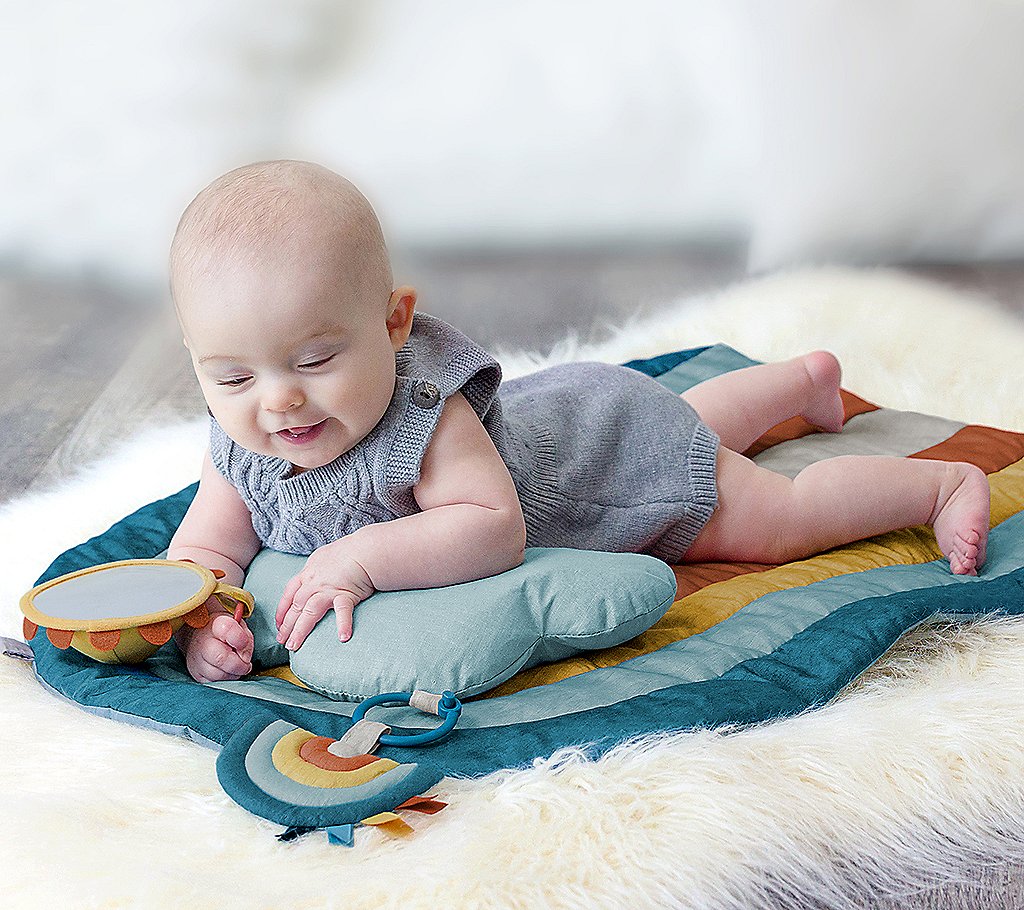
point(331, 333)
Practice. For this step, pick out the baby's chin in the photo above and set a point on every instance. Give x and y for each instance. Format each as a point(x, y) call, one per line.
point(307, 461)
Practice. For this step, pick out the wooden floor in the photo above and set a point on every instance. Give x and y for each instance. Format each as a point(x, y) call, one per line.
point(83, 366)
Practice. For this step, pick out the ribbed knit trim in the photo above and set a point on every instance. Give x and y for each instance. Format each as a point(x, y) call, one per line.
point(466, 365)
point(545, 502)
point(461, 360)
point(409, 428)
point(313, 485)
point(399, 468)
point(703, 499)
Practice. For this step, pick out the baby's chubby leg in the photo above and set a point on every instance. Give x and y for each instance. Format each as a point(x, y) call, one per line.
point(766, 517)
point(742, 405)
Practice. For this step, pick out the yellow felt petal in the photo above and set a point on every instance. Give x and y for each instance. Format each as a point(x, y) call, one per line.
point(389, 822)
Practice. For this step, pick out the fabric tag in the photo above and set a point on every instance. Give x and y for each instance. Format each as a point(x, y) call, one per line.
point(426, 804)
point(360, 739)
point(341, 834)
point(389, 823)
point(289, 834)
point(17, 649)
point(426, 702)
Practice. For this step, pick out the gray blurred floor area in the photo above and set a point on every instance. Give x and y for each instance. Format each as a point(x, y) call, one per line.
point(84, 366)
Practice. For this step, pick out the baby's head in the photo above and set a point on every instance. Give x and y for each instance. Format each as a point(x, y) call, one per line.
point(283, 289)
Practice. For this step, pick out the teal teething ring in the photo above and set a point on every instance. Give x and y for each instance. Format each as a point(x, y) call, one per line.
point(449, 707)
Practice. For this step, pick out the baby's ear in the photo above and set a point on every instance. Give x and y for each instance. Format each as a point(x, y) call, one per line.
point(401, 307)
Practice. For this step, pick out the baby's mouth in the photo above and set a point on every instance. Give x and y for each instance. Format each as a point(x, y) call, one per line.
point(296, 433)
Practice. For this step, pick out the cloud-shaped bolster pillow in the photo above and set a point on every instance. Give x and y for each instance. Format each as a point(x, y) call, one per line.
point(467, 638)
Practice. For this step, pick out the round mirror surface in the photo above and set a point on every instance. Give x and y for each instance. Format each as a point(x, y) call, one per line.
point(119, 591)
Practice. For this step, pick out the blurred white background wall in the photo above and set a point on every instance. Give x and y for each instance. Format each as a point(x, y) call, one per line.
point(819, 130)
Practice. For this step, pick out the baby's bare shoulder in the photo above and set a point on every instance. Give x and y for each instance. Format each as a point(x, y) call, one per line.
point(461, 463)
point(459, 434)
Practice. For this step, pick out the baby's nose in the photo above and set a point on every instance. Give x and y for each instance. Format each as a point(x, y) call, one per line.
point(281, 396)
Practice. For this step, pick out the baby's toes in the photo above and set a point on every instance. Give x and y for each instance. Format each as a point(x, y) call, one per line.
point(963, 563)
point(969, 548)
point(982, 554)
point(968, 540)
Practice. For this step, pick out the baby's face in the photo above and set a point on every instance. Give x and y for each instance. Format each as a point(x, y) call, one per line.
point(289, 349)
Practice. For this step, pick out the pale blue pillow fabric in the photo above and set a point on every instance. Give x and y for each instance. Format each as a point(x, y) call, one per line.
point(470, 637)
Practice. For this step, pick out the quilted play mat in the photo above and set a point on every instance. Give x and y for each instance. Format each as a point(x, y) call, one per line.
point(741, 643)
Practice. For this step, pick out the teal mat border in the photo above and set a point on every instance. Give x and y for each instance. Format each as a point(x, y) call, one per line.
point(807, 670)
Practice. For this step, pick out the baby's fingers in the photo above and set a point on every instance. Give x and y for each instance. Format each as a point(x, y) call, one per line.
point(344, 608)
point(287, 623)
point(217, 661)
point(236, 635)
point(283, 605)
point(306, 618)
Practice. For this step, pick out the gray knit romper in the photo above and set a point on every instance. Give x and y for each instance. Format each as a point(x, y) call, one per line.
point(603, 457)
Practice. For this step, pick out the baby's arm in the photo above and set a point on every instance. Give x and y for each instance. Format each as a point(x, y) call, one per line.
point(472, 522)
point(471, 526)
point(216, 532)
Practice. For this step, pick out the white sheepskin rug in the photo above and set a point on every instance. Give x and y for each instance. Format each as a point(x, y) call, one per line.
point(914, 776)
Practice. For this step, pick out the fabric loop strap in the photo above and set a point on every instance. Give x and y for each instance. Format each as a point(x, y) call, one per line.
point(426, 702)
point(360, 739)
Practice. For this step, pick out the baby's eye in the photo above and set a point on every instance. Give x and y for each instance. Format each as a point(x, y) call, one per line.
point(317, 363)
point(233, 382)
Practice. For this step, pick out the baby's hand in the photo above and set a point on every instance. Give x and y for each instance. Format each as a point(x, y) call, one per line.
point(221, 650)
point(329, 580)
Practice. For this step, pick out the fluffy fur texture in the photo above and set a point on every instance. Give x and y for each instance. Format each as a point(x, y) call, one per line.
point(912, 776)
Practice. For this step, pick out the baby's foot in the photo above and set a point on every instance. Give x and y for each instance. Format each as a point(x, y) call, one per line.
point(825, 408)
point(960, 519)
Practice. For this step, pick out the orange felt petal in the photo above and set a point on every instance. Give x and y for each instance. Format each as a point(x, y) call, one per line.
point(218, 573)
point(105, 641)
point(60, 638)
point(199, 617)
point(424, 804)
point(156, 633)
point(28, 629)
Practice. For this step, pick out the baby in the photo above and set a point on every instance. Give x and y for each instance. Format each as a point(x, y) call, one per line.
point(347, 427)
